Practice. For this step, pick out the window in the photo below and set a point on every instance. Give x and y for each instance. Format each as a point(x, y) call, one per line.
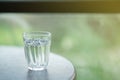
point(85, 32)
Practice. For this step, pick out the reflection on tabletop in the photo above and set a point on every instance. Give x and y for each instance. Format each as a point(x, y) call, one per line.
point(37, 75)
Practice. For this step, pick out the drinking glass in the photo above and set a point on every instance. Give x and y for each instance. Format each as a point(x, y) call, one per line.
point(37, 49)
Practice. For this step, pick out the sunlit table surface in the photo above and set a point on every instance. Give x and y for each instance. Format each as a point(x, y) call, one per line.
point(13, 66)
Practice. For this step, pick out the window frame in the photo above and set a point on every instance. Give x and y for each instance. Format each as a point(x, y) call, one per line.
point(60, 6)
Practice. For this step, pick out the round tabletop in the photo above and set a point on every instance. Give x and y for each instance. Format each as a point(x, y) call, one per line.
point(13, 66)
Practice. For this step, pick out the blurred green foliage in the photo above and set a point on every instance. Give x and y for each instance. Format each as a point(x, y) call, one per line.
point(11, 35)
point(90, 41)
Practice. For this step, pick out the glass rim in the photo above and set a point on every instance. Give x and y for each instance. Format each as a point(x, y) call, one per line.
point(37, 33)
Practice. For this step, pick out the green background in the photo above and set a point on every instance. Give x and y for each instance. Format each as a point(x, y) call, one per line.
point(90, 41)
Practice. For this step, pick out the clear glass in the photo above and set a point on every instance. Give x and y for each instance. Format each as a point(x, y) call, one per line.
point(37, 49)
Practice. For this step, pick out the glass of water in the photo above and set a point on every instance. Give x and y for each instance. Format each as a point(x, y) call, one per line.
point(37, 49)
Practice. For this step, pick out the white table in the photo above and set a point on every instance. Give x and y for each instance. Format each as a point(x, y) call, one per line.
point(13, 66)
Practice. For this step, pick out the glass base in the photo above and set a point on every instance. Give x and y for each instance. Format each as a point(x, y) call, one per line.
point(37, 69)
